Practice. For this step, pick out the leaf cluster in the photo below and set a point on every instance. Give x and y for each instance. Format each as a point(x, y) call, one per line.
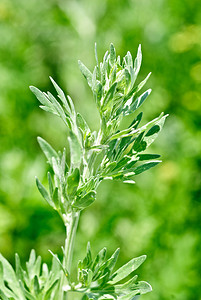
point(36, 282)
point(98, 280)
point(108, 153)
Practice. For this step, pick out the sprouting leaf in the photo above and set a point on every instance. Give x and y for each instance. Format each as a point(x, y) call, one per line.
point(112, 54)
point(47, 150)
point(85, 71)
point(83, 125)
point(87, 261)
point(99, 260)
point(137, 62)
point(42, 98)
point(18, 268)
point(44, 192)
point(61, 96)
point(128, 60)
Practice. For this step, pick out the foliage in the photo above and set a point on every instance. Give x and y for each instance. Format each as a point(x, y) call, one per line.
point(94, 156)
point(39, 39)
point(118, 151)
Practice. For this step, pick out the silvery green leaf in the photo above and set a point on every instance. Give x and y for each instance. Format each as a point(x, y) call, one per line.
point(128, 60)
point(11, 279)
point(144, 287)
point(75, 150)
point(18, 269)
point(137, 62)
point(112, 54)
point(44, 192)
point(113, 74)
point(72, 108)
point(30, 264)
point(109, 96)
point(137, 88)
point(82, 124)
point(104, 271)
point(98, 93)
point(100, 258)
point(111, 262)
point(83, 202)
point(61, 96)
point(129, 292)
point(85, 71)
point(127, 79)
point(57, 107)
point(104, 67)
point(42, 98)
point(87, 261)
point(126, 269)
point(47, 150)
point(57, 168)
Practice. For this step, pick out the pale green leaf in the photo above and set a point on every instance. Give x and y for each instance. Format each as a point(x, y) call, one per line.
point(85, 71)
point(126, 269)
point(47, 150)
point(44, 192)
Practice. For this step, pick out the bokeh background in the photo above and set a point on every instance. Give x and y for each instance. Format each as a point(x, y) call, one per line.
point(159, 216)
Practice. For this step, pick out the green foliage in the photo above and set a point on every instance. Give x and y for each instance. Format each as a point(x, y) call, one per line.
point(96, 278)
point(94, 156)
point(34, 283)
point(98, 281)
point(42, 38)
point(112, 83)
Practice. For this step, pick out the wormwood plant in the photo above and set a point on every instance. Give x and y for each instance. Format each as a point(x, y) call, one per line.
point(110, 153)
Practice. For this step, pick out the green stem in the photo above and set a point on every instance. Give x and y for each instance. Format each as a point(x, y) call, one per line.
point(71, 228)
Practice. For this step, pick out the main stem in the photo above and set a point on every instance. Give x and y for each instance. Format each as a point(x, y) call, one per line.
point(71, 228)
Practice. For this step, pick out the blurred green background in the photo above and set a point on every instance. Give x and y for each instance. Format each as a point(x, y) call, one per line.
point(159, 216)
